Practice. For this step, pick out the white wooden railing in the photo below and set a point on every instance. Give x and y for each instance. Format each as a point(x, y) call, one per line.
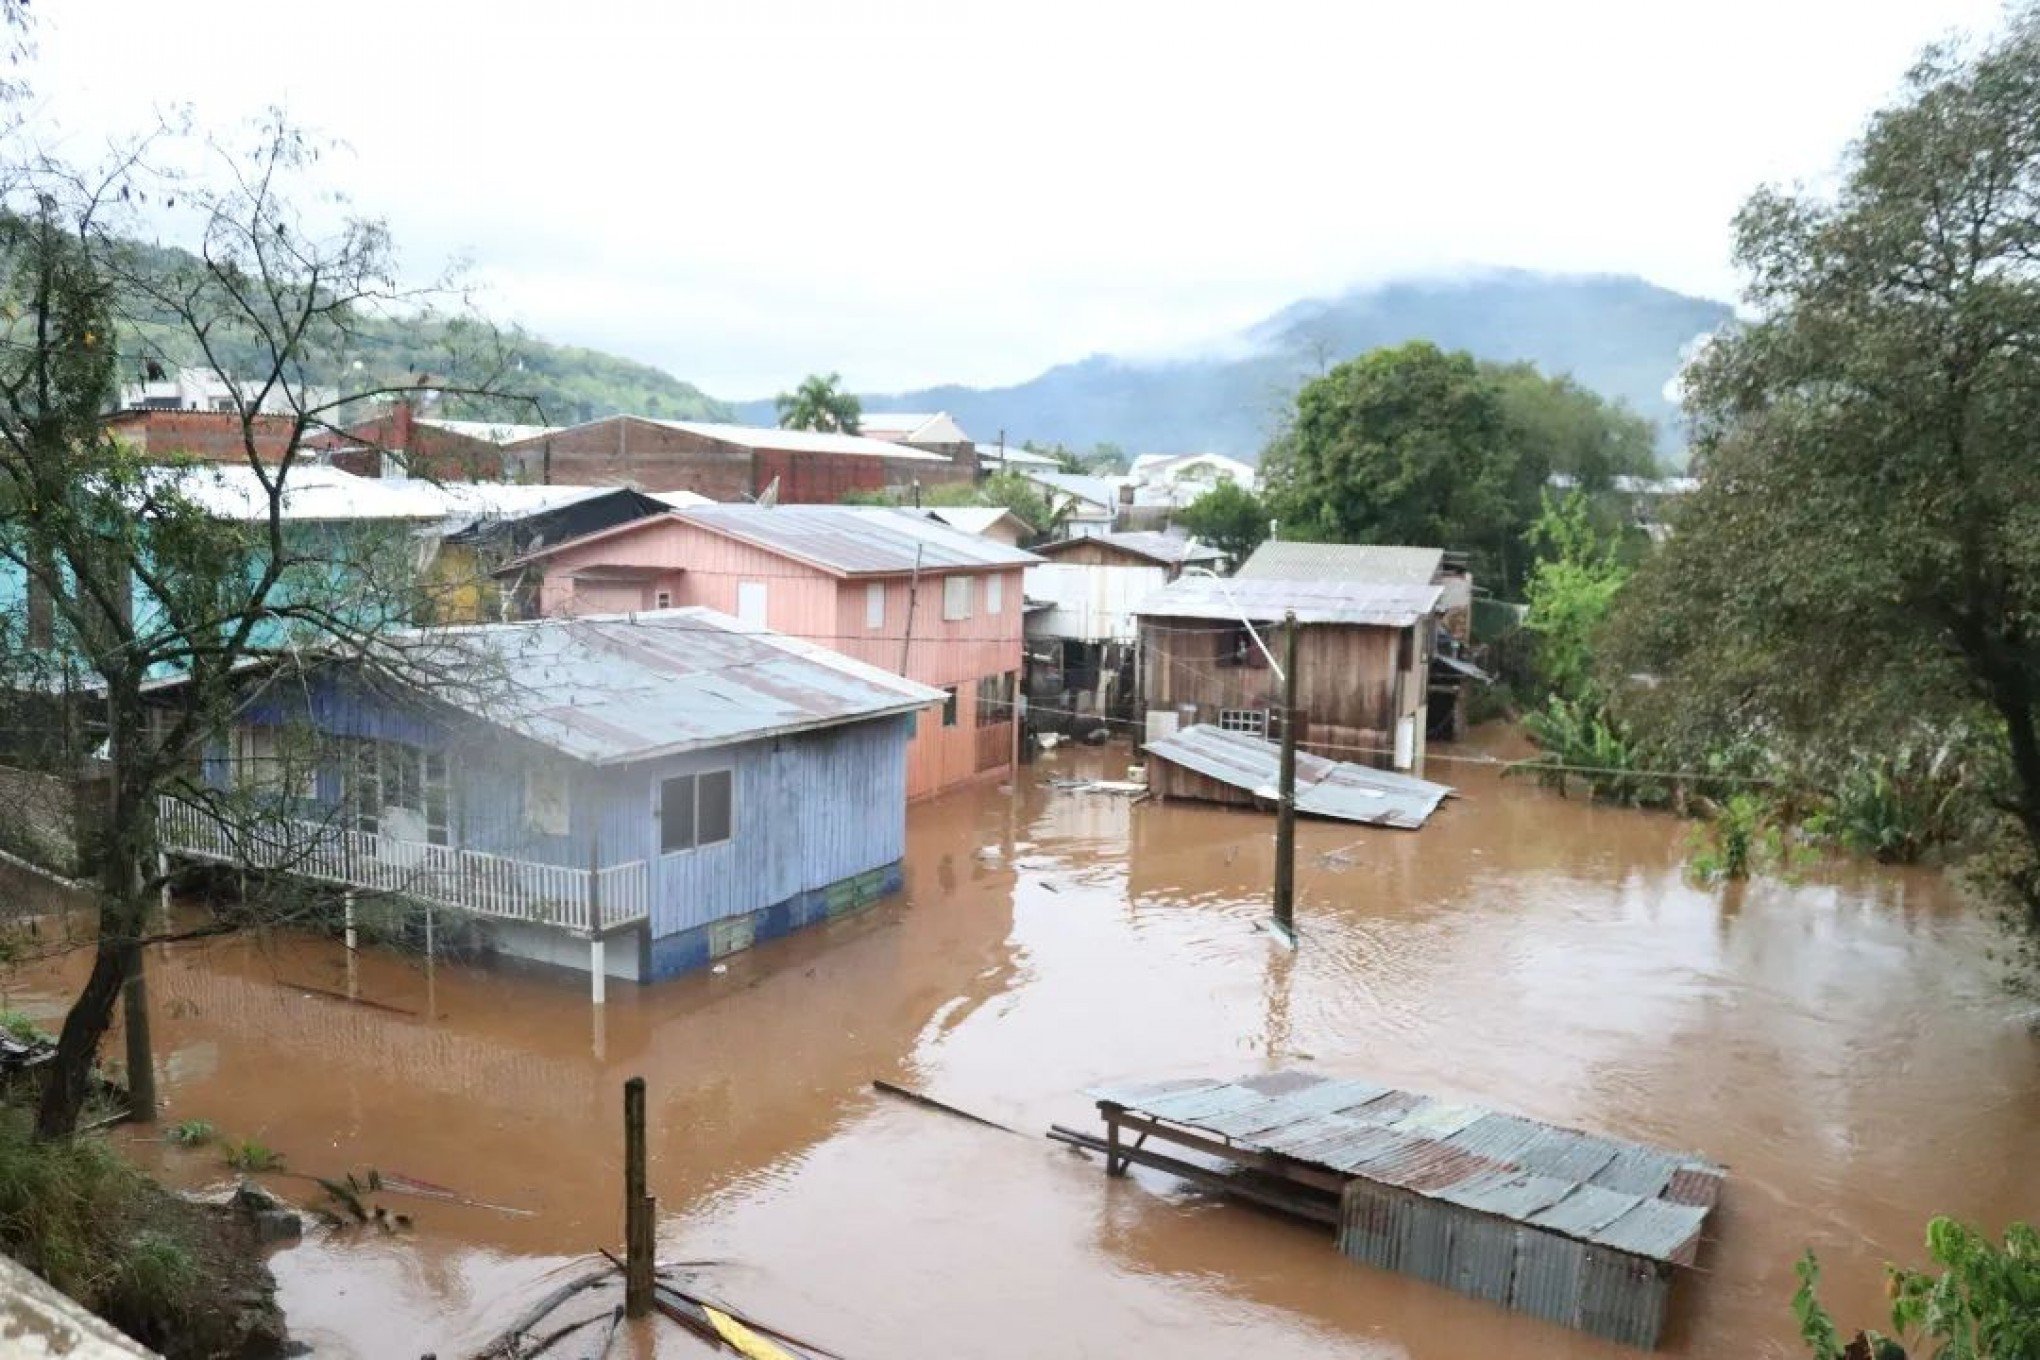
point(467, 880)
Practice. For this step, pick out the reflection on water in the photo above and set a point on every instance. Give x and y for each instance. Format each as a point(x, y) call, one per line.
point(1840, 1042)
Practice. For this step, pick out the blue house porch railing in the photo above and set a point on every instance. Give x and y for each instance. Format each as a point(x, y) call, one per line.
point(472, 881)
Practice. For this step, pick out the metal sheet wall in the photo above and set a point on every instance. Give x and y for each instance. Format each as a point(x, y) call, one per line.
point(1593, 1289)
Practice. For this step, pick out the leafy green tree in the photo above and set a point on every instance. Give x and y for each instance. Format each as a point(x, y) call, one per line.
point(1570, 591)
point(819, 403)
point(1984, 1305)
point(1863, 554)
point(112, 575)
point(1230, 518)
point(1416, 445)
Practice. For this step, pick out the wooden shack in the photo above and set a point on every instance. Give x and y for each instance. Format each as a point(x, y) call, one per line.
point(1363, 655)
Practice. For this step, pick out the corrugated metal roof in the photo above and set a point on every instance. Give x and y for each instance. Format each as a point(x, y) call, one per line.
point(801, 441)
point(1365, 603)
point(467, 502)
point(1324, 788)
point(615, 688)
point(1012, 455)
point(856, 540)
point(310, 491)
point(1166, 549)
point(1102, 492)
point(975, 519)
point(1342, 562)
point(1504, 1165)
point(488, 431)
point(680, 500)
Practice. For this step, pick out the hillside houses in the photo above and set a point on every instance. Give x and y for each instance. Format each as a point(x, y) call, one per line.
point(891, 588)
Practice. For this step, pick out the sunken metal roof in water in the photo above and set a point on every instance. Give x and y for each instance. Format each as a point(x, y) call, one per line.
point(1324, 788)
point(1631, 1197)
point(614, 688)
point(1369, 603)
point(853, 540)
point(1342, 562)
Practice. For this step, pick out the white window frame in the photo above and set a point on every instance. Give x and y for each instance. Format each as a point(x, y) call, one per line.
point(1252, 721)
point(995, 595)
point(874, 604)
point(956, 594)
point(694, 778)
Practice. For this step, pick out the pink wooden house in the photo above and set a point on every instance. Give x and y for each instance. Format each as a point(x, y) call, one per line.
point(892, 588)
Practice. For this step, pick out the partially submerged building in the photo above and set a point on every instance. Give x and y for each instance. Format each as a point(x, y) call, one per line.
point(1082, 635)
point(630, 795)
point(1363, 658)
point(892, 588)
point(1453, 668)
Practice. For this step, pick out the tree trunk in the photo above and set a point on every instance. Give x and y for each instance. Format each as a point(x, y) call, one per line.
point(85, 1025)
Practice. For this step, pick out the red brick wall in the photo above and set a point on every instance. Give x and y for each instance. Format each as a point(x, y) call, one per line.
point(624, 449)
point(210, 436)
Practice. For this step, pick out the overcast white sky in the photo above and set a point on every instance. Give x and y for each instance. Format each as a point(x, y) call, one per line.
point(958, 191)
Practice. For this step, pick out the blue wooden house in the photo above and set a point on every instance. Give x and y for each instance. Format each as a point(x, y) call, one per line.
point(633, 795)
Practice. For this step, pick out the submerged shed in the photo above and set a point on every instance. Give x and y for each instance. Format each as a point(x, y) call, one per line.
point(1216, 766)
point(1572, 1227)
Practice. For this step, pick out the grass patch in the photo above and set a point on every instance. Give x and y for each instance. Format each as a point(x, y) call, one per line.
point(249, 1155)
point(184, 1278)
point(190, 1133)
point(18, 1026)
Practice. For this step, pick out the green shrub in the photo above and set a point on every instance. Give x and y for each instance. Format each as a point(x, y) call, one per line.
point(190, 1133)
point(1584, 745)
point(1984, 1305)
point(1740, 835)
point(1897, 807)
point(19, 1026)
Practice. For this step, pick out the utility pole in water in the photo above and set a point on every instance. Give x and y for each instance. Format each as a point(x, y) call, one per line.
point(1285, 803)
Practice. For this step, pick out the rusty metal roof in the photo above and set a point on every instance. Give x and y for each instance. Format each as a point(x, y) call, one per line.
point(1342, 562)
point(852, 540)
point(615, 688)
point(1604, 1191)
point(1324, 788)
point(1167, 549)
point(1370, 603)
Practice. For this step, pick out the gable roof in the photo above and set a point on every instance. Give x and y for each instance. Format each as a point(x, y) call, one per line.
point(975, 519)
point(1098, 491)
point(1012, 455)
point(1368, 603)
point(1341, 562)
point(917, 427)
point(1166, 549)
point(854, 540)
point(486, 431)
point(610, 689)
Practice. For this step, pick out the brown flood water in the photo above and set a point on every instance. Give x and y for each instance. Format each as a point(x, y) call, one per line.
point(1841, 1042)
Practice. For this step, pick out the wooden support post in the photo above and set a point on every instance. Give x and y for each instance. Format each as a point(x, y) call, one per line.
point(353, 957)
point(1115, 1165)
point(598, 974)
point(637, 1205)
point(163, 876)
point(1285, 807)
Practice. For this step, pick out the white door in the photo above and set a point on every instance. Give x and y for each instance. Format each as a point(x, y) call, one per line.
point(751, 603)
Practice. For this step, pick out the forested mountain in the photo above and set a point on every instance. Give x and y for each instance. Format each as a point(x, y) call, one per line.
point(1618, 336)
point(556, 384)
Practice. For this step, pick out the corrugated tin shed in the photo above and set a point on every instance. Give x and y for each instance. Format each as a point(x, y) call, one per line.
point(1370, 603)
point(1342, 562)
point(610, 689)
point(855, 540)
point(1324, 788)
point(1166, 549)
point(1569, 1226)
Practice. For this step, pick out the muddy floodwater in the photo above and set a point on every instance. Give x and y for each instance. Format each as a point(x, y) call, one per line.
point(1841, 1042)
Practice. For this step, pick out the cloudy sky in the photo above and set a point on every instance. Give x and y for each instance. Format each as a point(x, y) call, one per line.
point(917, 192)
